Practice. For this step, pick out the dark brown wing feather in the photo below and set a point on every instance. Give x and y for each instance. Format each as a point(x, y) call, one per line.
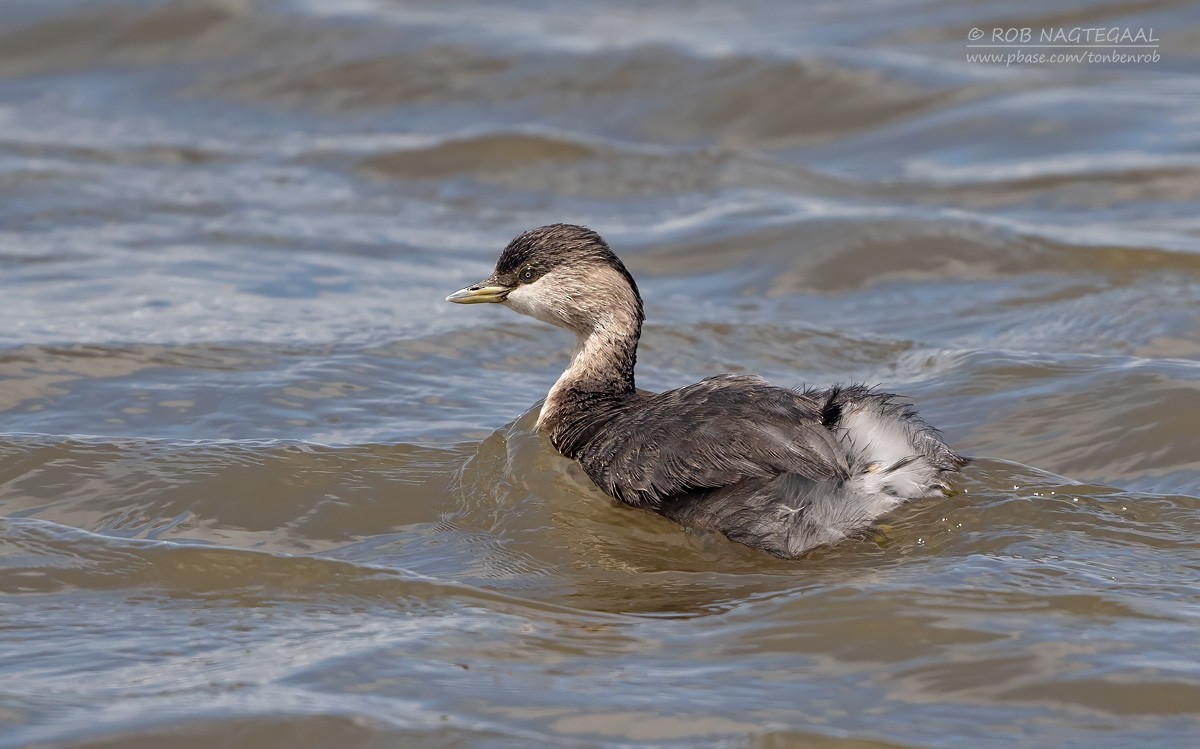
point(648, 448)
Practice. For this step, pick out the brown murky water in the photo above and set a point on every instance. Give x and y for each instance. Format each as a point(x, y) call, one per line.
point(260, 486)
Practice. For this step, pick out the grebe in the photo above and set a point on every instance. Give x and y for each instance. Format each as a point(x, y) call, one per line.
point(774, 468)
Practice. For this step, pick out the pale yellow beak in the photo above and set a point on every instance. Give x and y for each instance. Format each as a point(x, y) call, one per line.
point(480, 293)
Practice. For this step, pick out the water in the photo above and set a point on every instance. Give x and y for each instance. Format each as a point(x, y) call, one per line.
point(260, 486)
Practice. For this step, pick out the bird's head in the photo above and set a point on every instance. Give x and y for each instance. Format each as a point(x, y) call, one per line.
point(561, 274)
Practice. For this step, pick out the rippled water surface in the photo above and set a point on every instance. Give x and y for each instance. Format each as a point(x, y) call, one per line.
point(260, 486)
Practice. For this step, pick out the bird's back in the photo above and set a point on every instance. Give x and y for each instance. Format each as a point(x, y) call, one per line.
point(779, 469)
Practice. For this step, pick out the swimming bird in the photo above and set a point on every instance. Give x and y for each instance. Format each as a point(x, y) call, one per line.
point(779, 469)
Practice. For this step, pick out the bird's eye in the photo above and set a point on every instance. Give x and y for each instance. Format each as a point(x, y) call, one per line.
point(527, 274)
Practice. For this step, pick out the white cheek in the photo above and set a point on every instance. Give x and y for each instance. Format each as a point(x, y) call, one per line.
point(533, 299)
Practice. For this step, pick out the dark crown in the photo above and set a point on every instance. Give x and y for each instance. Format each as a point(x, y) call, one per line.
point(555, 244)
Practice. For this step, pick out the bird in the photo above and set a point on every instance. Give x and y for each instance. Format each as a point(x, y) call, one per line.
point(780, 469)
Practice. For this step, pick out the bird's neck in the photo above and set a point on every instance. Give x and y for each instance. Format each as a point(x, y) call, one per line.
point(601, 367)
